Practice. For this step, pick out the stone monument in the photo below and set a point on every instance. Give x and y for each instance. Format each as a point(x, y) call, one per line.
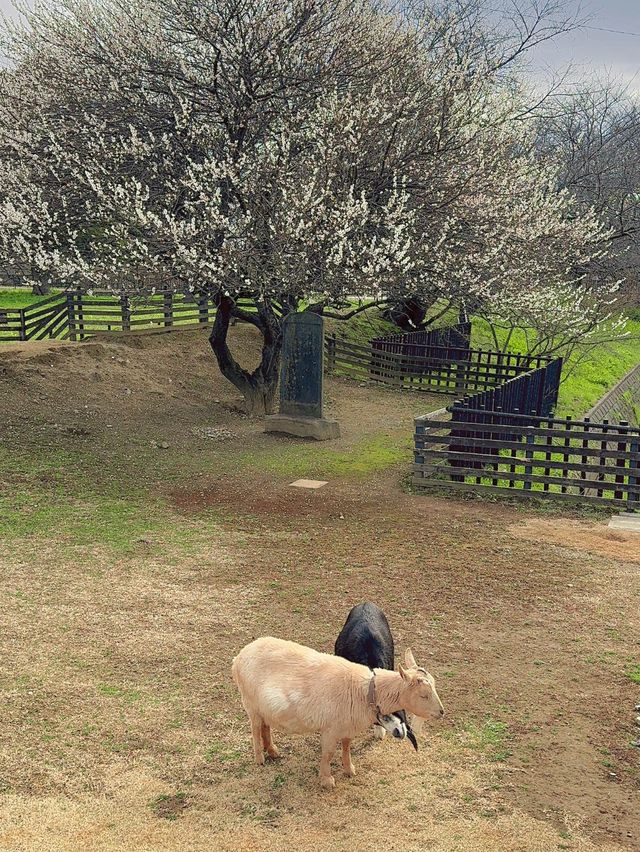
point(301, 377)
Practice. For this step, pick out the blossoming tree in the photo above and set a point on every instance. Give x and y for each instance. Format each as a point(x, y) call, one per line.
point(292, 151)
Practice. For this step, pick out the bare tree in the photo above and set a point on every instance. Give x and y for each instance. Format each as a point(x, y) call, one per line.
point(595, 135)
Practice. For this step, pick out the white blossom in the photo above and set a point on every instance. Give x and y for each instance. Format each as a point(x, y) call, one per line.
point(155, 145)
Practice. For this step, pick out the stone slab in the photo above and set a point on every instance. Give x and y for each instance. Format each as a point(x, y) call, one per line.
point(301, 370)
point(318, 428)
point(308, 483)
point(626, 521)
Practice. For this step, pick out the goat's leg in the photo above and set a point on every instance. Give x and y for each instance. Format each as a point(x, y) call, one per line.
point(347, 765)
point(328, 743)
point(258, 746)
point(272, 751)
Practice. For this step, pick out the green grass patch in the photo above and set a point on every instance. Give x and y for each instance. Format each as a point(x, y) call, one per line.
point(112, 691)
point(121, 526)
point(20, 297)
point(169, 806)
point(116, 524)
point(219, 752)
point(362, 328)
point(482, 337)
point(88, 468)
point(634, 674)
point(586, 379)
point(289, 459)
point(491, 738)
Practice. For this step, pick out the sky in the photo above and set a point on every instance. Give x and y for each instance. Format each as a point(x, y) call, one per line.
point(596, 50)
point(590, 51)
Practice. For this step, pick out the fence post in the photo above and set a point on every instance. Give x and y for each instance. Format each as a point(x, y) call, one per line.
point(419, 444)
point(71, 312)
point(461, 378)
point(126, 312)
point(602, 461)
point(375, 360)
point(634, 479)
point(331, 352)
point(80, 314)
point(528, 469)
point(203, 309)
point(459, 418)
point(565, 456)
point(620, 463)
point(547, 455)
point(22, 332)
point(491, 436)
point(540, 395)
point(167, 308)
point(556, 388)
point(584, 459)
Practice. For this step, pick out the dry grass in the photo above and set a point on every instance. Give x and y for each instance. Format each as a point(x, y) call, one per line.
point(121, 726)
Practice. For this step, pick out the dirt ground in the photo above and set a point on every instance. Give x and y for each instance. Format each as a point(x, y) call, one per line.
point(132, 572)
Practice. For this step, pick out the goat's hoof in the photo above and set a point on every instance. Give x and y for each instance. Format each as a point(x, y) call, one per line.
point(273, 753)
point(260, 759)
point(327, 782)
point(379, 733)
point(350, 771)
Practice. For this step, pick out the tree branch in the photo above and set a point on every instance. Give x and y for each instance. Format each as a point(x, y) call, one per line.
point(356, 311)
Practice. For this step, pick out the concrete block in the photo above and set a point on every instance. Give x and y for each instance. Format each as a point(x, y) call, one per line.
point(308, 483)
point(626, 521)
point(318, 428)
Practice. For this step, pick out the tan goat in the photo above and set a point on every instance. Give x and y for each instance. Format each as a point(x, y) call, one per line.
point(297, 690)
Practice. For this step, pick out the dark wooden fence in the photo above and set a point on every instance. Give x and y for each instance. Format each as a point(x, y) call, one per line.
point(427, 367)
point(76, 315)
point(458, 337)
point(530, 456)
point(507, 440)
point(532, 391)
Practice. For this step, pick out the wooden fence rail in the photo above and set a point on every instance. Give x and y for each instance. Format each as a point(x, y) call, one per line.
point(413, 342)
point(77, 315)
point(426, 367)
point(528, 455)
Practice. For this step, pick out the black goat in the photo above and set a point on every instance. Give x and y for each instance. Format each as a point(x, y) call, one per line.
point(366, 638)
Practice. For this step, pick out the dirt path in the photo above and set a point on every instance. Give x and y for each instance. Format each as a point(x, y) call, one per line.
point(122, 729)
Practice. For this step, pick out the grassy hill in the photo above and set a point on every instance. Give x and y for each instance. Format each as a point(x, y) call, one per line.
point(586, 378)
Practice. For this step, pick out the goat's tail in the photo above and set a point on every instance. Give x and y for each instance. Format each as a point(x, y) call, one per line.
point(234, 671)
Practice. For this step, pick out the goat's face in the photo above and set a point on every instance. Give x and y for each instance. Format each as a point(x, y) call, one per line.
point(420, 696)
point(393, 725)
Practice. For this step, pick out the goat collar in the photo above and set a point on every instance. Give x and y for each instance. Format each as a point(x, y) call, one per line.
point(371, 695)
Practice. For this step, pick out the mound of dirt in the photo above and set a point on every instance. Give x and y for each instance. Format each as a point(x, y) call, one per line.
point(589, 538)
point(124, 380)
point(166, 389)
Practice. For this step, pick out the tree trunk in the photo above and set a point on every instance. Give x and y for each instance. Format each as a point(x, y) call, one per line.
point(41, 289)
point(408, 314)
point(259, 399)
point(259, 387)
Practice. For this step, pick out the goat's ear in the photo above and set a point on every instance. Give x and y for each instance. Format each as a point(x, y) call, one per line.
point(409, 659)
point(404, 674)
